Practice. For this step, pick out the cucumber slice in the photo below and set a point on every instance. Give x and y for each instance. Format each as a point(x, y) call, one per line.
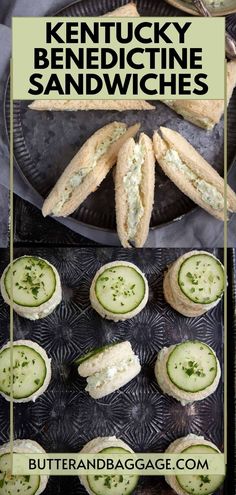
point(16, 484)
point(90, 354)
point(33, 280)
point(117, 484)
point(29, 371)
point(120, 289)
point(201, 278)
point(200, 484)
point(192, 366)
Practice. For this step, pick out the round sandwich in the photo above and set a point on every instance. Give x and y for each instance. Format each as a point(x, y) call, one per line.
point(87, 169)
point(17, 484)
point(119, 291)
point(35, 287)
point(108, 368)
point(134, 190)
point(194, 484)
point(191, 173)
point(31, 371)
point(189, 371)
point(194, 283)
point(108, 484)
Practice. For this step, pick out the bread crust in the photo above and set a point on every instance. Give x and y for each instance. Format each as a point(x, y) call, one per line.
point(146, 190)
point(83, 159)
point(205, 113)
point(116, 316)
point(74, 105)
point(174, 295)
point(173, 140)
point(128, 10)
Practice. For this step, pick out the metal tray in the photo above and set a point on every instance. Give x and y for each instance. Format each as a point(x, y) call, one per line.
point(225, 8)
point(64, 418)
point(230, 481)
point(44, 143)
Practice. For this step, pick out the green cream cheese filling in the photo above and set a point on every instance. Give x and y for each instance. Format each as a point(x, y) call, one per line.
point(132, 181)
point(77, 178)
point(109, 373)
point(209, 194)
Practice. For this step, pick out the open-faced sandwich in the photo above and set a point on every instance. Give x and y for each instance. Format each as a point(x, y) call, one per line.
point(119, 291)
point(31, 371)
point(134, 190)
point(190, 484)
point(108, 484)
point(16, 484)
point(189, 371)
point(34, 286)
point(87, 169)
point(194, 283)
point(191, 173)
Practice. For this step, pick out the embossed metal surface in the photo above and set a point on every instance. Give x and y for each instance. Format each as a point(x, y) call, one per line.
point(65, 417)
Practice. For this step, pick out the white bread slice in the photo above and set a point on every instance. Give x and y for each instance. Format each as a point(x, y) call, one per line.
point(146, 190)
point(176, 297)
point(128, 10)
point(173, 140)
point(82, 160)
point(74, 105)
point(205, 113)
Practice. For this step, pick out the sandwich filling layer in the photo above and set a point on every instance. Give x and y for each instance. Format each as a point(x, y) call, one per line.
point(132, 181)
point(110, 373)
point(209, 194)
point(77, 178)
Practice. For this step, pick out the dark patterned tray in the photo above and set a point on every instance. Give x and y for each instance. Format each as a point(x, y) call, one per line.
point(44, 142)
point(64, 418)
point(231, 373)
